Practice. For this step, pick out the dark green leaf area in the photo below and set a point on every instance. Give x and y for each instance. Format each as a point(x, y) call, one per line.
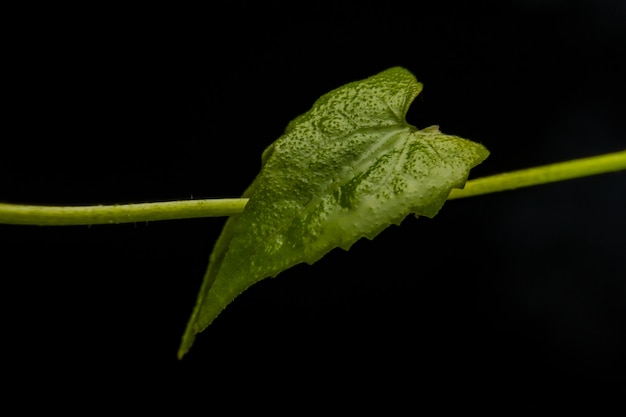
point(348, 168)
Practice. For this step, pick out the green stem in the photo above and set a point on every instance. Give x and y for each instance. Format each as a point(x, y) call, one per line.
point(560, 171)
point(119, 213)
point(186, 209)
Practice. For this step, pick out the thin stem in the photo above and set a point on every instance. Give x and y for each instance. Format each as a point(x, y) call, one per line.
point(560, 171)
point(186, 209)
point(119, 213)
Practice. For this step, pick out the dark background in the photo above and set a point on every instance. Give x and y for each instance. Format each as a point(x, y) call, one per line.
point(515, 299)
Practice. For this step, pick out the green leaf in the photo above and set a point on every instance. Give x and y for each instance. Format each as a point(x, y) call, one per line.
point(348, 168)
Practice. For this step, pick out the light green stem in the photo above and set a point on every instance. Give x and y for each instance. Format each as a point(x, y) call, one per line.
point(186, 209)
point(560, 171)
point(119, 213)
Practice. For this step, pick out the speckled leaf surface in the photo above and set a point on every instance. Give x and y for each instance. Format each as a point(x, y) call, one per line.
point(346, 169)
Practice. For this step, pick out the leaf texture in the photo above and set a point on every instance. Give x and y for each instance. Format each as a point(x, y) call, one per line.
point(346, 169)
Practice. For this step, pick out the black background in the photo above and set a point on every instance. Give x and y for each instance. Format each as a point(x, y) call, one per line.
point(513, 300)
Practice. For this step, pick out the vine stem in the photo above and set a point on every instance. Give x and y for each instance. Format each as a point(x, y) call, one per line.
point(119, 213)
point(187, 209)
point(560, 171)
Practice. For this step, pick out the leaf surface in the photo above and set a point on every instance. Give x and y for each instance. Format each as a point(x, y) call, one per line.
point(346, 169)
